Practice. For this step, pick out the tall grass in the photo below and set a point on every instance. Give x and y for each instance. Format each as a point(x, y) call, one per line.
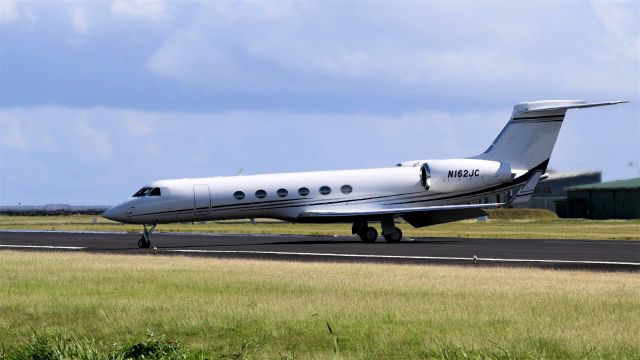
point(44, 346)
point(260, 309)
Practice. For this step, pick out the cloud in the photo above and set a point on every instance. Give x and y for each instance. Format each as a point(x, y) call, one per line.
point(416, 47)
point(621, 23)
point(136, 126)
point(18, 13)
point(12, 136)
point(161, 89)
point(80, 21)
point(154, 10)
point(8, 11)
point(81, 25)
point(310, 56)
point(19, 132)
point(75, 133)
point(619, 46)
point(176, 60)
point(90, 142)
point(119, 150)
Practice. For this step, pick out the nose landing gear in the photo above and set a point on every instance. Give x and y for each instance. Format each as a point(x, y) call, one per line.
point(145, 240)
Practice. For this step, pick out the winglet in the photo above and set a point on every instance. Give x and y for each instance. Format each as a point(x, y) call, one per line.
point(524, 194)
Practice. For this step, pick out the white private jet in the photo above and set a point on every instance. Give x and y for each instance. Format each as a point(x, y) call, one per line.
point(422, 192)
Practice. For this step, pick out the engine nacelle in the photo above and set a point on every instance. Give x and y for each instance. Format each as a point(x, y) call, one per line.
point(455, 175)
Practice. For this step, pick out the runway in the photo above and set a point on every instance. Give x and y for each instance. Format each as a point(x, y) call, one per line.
point(560, 254)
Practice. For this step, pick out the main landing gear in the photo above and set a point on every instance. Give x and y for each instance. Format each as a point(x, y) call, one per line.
point(145, 240)
point(369, 234)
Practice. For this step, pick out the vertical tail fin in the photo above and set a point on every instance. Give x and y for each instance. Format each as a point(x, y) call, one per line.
point(526, 142)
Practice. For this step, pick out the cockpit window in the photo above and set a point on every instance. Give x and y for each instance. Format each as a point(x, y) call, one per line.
point(143, 192)
point(147, 191)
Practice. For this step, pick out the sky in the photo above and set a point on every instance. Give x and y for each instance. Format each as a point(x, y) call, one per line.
point(99, 98)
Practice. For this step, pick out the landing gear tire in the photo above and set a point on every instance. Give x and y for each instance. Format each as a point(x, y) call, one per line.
point(368, 235)
point(394, 236)
point(144, 243)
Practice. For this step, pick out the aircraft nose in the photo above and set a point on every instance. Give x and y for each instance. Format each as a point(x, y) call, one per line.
point(115, 213)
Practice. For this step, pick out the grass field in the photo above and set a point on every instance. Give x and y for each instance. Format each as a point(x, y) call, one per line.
point(502, 224)
point(268, 310)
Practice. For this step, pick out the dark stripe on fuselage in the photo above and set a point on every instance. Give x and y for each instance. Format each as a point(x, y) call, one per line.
point(423, 198)
point(535, 121)
point(275, 204)
point(538, 117)
point(426, 197)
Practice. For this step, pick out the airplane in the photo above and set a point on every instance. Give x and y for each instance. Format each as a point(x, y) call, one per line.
point(422, 192)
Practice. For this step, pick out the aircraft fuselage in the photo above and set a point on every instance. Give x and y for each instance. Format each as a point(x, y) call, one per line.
point(285, 196)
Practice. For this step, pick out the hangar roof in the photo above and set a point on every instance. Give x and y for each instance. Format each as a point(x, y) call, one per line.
point(568, 175)
point(633, 183)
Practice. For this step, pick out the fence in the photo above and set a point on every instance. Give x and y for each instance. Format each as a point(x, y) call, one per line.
point(52, 209)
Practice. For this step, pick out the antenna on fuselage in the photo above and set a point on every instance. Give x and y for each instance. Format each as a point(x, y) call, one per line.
point(239, 173)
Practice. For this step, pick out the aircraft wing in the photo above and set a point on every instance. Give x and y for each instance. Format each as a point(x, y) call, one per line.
point(428, 215)
point(416, 216)
point(354, 211)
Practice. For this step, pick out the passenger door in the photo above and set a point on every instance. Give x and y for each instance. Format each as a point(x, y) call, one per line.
point(201, 199)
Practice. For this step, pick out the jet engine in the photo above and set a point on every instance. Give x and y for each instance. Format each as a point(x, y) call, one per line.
point(455, 175)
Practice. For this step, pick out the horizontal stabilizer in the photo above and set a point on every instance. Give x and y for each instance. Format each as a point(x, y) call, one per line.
point(536, 106)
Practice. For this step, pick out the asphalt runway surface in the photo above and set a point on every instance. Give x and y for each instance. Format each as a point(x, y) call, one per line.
point(561, 254)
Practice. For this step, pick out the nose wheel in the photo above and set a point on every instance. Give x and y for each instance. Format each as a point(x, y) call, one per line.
point(145, 240)
point(144, 243)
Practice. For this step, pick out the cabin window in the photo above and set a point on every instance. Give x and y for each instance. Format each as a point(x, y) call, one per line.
point(346, 189)
point(261, 194)
point(283, 192)
point(325, 190)
point(238, 195)
point(142, 192)
point(303, 191)
point(154, 192)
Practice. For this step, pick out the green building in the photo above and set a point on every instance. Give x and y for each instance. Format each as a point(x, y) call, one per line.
point(554, 187)
point(608, 200)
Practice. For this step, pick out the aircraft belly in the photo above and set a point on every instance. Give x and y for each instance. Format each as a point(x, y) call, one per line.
point(427, 218)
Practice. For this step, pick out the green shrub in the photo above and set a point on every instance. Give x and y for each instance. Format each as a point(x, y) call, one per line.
point(521, 214)
point(68, 346)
